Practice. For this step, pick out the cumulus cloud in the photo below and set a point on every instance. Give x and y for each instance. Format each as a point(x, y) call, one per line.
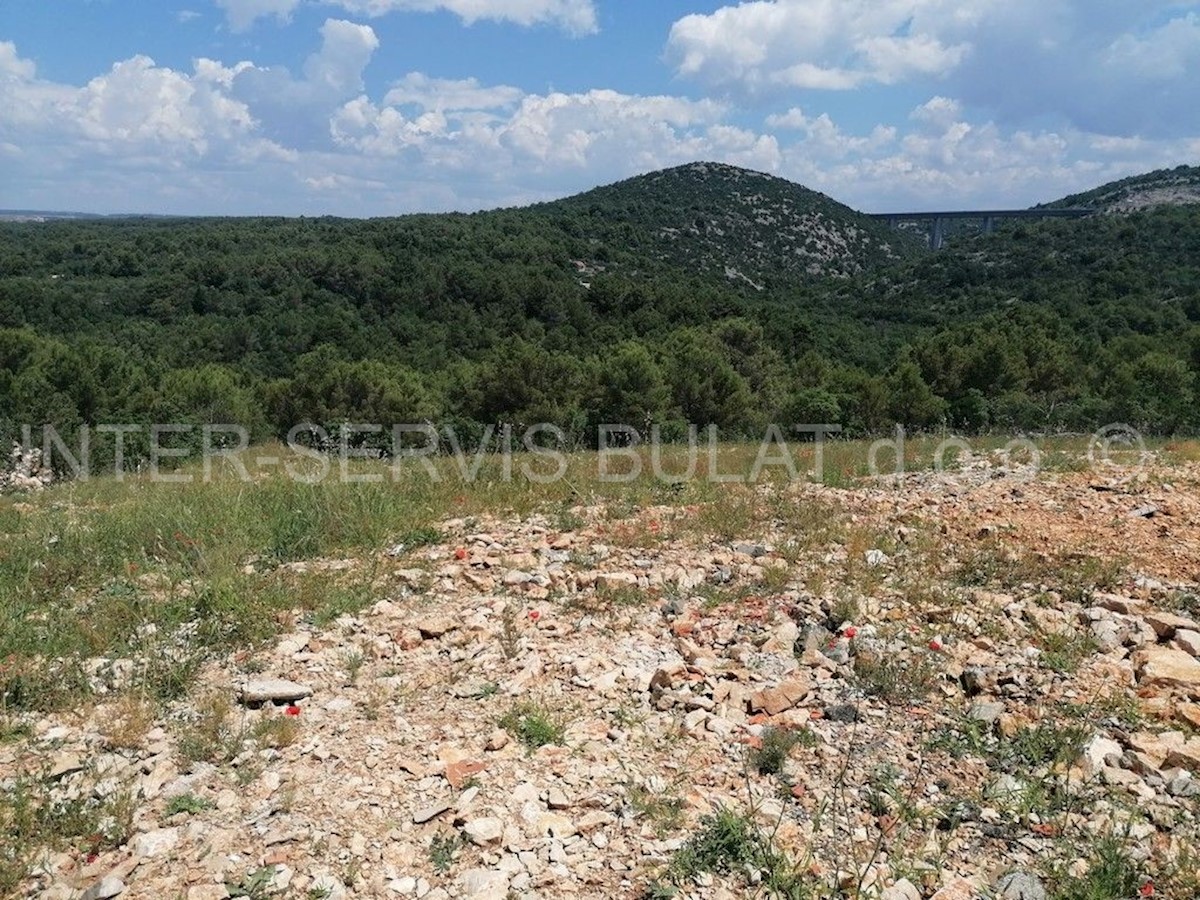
point(1107, 66)
point(600, 129)
point(1162, 54)
point(11, 64)
point(295, 111)
point(938, 112)
point(769, 45)
point(945, 160)
point(137, 106)
point(573, 16)
point(453, 94)
point(237, 136)
point(1096, 65)
point(346, 49)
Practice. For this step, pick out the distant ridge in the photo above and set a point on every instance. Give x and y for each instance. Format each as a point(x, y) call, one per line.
point(44, 215)
point(1165, 187)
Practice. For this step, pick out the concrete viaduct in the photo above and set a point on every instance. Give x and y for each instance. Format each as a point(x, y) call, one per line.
point(936, 221)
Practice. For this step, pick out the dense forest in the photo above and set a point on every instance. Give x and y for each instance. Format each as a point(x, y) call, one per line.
point(704, 294)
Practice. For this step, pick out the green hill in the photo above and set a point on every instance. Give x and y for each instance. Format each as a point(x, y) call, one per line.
point(702, 294)
point(745, 226)
point(1165, 187)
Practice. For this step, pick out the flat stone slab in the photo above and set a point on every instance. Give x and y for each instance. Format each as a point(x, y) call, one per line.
point(273, 690)
point(429, 813)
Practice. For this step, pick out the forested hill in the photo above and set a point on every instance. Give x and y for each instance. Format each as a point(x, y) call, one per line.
point(741, 225)
point(1165, 187)
point(702, 294)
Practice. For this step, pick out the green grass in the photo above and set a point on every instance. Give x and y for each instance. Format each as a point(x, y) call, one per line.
point(33, 817)
point(729, 843)
point(1064, 652)
point(777, 746)
point(534, 725)
point(443, 850)
point(188, 803)
point(894, 677)
point(170, 574)
point(1112, 875)
point(1075, 576)
point(664, 811)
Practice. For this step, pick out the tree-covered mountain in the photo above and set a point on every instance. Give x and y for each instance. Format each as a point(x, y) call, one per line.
point(744, 226)
point(703, 294)
point(1164, 187)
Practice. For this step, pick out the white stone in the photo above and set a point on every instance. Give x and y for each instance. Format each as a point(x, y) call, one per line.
point(155, 843)
point(483, 884)
point(484, 831)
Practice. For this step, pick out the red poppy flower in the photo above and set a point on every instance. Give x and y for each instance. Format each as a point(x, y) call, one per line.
point(1147, 889)
point(292, 710)
point(460, 554)
point(534, 615)
point(850, 632)
point(935, 645)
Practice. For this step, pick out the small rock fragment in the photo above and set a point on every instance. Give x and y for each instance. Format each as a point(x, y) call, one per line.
point(843, 712)
point(428, 813)
point(273, 690)
point(1020, 886)
point(104, 889)
point(484, 831)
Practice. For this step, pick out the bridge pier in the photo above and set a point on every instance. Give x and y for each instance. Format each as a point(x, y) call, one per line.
point(936, 222)
point(938, 240)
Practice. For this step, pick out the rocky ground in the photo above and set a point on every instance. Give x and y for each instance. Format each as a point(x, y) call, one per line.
point(979, 685)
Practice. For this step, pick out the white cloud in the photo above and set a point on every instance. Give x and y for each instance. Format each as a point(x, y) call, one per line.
point(601, 128)
point(11, 64)
point(818, 44)
point(1096, 65)
point(946, 161)
point(574, 16)
point(442, 93)
point(938, 112)
point(138, 102)
point(136, 106)
point(793, 119)
point(891, 59)
point(244, 13)
point(346, 49)
point(241, 137)
point(295, 111)
point(1163, 54)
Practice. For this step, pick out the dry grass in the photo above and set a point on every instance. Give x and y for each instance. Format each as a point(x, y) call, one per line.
point(126, 722)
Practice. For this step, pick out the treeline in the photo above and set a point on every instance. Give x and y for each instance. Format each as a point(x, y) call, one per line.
point(527, 316)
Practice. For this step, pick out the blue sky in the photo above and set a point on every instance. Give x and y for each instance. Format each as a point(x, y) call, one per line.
point(380, 107)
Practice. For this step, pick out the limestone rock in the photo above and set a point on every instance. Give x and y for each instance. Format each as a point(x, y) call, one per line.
point(484, 831)
point(272, 690)
point(104, 889)
point(1020, 886)
point(428, 813)
point(483, 884)
point(901, 890)
point(1168, 667)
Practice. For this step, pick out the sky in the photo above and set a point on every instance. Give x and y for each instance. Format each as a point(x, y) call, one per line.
point(383, 107)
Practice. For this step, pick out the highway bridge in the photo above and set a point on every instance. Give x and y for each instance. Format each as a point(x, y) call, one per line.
point(935, 222)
